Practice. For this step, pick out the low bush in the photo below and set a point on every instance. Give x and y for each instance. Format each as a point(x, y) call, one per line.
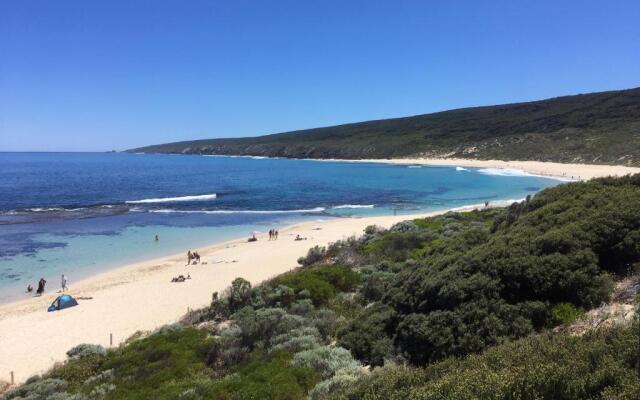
point(85, 350)
point(565, 313)
point(598, 365)
point(322, 283)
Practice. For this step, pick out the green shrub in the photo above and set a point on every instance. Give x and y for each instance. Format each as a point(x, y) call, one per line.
point(368, 335)
point(315, 255)
point(41, 389)
point(565, 313)
point(327, 360)
point(150, 367)
point(598, 365)
point(84, 350)
point(322, 282)
point(272, 377)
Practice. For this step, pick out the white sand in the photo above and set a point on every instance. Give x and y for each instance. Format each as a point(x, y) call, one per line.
point(142, 297)
point(556, 170)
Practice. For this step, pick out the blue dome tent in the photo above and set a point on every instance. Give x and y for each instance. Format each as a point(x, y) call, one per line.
point(62, 302)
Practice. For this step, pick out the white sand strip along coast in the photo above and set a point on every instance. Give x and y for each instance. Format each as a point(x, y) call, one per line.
point(549, 169)
point(141, 296)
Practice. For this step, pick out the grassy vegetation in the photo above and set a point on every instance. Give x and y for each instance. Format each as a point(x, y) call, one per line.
point(321, 283)
point(591, 128)
point(458, 306)
point(599, 365)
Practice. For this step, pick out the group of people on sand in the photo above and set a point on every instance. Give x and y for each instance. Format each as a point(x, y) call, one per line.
point(43, 282)
point(180, 278)
point(273, 234)
point(193, 256)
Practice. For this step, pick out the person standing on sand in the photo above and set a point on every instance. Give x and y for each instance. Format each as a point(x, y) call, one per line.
point(63, 281)
point(276, 234)
point(189, 257)
point(41, 284)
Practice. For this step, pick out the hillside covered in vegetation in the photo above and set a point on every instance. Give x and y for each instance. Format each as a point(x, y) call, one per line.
point(598, 128)
point(457, 306)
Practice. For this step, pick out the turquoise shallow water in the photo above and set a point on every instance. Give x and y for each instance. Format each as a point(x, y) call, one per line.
point(81, 213)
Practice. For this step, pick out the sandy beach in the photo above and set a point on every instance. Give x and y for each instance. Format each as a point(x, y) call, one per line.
point(555, 170)
point(142, 297)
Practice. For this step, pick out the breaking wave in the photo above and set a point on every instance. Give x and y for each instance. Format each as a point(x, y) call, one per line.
point(354, 206)
point(302, 211)
point(503, 172)
point(202, 197)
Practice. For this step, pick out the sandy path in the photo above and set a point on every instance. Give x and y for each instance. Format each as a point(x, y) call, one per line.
point(141, 296)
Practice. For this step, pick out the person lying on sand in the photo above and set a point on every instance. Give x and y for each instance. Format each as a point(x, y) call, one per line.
point(299, 238)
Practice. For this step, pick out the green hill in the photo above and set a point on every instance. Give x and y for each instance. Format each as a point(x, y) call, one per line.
point(600, 128)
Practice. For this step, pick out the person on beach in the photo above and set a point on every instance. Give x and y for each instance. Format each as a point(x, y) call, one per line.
point(41, 283)
point(275, 233)
point(189, 257)
point(29, 289)
point(63, 282)
point(196, 257)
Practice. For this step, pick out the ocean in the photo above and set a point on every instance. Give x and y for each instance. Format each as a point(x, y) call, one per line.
point(82, 213)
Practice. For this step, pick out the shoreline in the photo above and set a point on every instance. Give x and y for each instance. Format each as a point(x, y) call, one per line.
point(141, 296)
point(566, 172)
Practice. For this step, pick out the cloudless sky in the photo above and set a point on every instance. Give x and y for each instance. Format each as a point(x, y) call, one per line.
point(101, 75)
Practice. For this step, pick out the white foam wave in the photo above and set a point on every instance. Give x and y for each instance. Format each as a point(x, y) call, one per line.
point(519, 172)
point(310, 210)
point(45, 209)
point(354, 206)
point(461, 169)
point(504, 172)
point(202, 197)
point(414, 166)
point(494, 203)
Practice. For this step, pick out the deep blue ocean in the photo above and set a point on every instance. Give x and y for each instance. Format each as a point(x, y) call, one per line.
point(80, 213)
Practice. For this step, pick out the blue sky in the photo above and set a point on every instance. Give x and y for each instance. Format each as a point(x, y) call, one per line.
point(102, 75)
